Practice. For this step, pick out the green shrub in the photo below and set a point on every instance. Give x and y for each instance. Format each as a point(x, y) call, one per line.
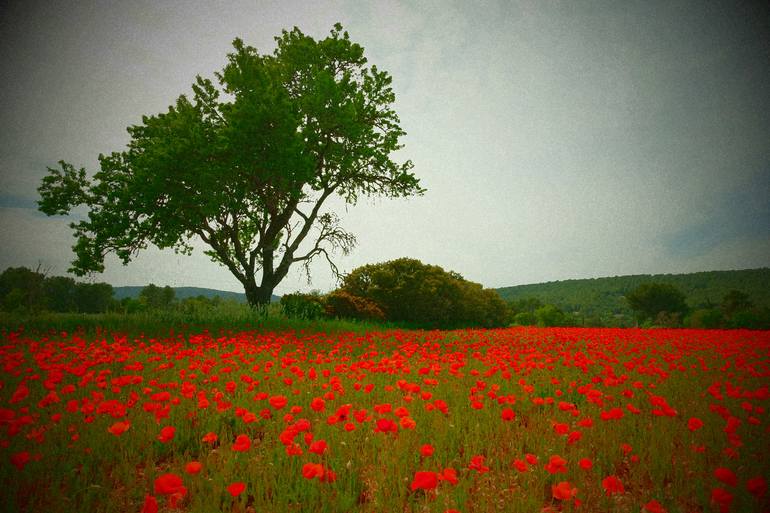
point(302, 306)
point(342, 304)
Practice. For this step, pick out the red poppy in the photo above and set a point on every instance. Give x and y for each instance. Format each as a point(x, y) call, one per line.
point(757, 486)
point(242, 443)
point(426, 450)
point(694, 424)
point(586, 464)
point(722, 498)
point(312, 470)
point(318, 404)
point(210, 438)
point(167, 434)
point(424, 481)
point(654, 507)
point(508, 415)
point(169, 484)
point(20, 459)
point(726, 476)
point(520, 465)
point(235, 489)
point(318, 447)
point(449, 475)
point(119, 428)
point(278, 401)
point(477, 464)
point(612, 485)
point(150, 504)
point(556, 465)
point(193, 467)
point(563, 491)
point(531, 459)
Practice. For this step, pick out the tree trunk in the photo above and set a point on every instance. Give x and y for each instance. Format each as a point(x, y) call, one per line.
point(257, 297)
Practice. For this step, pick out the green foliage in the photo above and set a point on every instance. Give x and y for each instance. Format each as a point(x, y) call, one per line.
point(549, 316)
point(247, 171)
point(24, 290)
point(425, 295)
point(650, 300)
point(154, 297)
point(525, 319)
point(302, 306)
point(706, 318)
point(603, 298)
point(343, 305)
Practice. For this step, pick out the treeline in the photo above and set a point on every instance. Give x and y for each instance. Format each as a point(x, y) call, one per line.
point(602, 301)
point(652, 304)
point(406, 292)
point(26, 291)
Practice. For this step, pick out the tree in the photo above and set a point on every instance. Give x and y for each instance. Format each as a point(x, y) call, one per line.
point(94, 297)
point(248, 172)
point(157, 298)
point(735, 301)
point(650, 299)
point(60, 293)
point(410, 291)
point(22, 289)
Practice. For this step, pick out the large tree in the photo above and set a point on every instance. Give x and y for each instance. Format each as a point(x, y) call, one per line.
point(246, 165)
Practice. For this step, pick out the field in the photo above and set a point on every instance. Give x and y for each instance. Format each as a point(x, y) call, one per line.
point(515, 420)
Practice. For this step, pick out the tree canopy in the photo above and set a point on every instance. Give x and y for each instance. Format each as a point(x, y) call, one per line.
point(410, 291)
point(246, 165)
point(652, 299)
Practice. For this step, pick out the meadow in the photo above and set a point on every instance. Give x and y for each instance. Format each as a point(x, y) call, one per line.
point(294, 418)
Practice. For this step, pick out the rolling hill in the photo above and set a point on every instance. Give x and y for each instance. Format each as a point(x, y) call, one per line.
point(605, 296)
point(186, 292)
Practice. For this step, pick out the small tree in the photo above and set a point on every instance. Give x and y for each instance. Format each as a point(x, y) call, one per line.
point(248, 172)
point(650, 299)
point(157, 298)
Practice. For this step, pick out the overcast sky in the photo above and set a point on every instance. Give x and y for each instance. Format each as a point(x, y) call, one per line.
point(556, 140)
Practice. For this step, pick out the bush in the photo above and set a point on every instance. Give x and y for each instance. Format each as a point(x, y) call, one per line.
point(342, 304)
point(418, 294)
point(302, 306)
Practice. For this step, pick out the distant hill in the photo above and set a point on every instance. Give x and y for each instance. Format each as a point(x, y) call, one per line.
point(186, 292)
point(605, 296)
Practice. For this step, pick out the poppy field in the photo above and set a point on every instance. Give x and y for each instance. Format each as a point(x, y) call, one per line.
point(514, 420)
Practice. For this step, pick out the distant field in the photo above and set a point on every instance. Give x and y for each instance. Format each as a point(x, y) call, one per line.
point(515, 420)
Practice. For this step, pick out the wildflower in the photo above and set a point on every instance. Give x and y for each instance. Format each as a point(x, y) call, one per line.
point(612, 485)
point(167, 434)
point(193, 467)
point(563, 491)
point(424, 481)
point(235, 489)
point(726, 476)
point(242, 443)
point(119, 428)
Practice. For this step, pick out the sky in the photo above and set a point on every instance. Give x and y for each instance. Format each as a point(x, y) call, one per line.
point(556, 140)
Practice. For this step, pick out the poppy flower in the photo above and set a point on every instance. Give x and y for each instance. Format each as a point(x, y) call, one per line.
point(150, 504)
point(210, 438)
point(193, 467)
point(654, 507)
point(586, 464)
point(278, 402)
point(520, 465)
point(242, 443)
point(508, 415)
point(169, 484)
point(477, 464)
point(722, 498)
point(312, 470)
point(563, 491)
point(318, 404)
point(20, 459)
point(449, 475)
point(531, 459)
point(119, 428)
point(726, 476)
point(167, 434)
point(757, 486)
point(424, 481)
point(694, 424)
point(612, 485)
point(427, 450)
point(235, 489)
point(556, 465)
point(318, 447)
